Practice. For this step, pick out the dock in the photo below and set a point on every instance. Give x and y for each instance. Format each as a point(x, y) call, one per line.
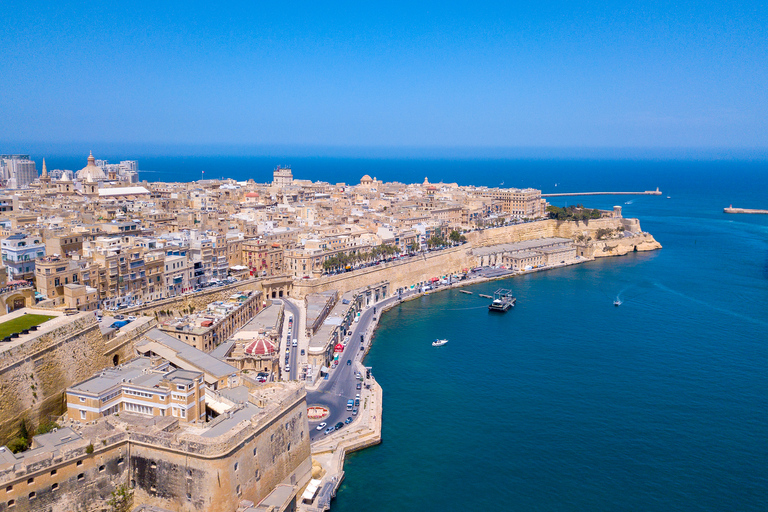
point(486, 296)
point(731, 209)
point(656, 192)
point(465, 291)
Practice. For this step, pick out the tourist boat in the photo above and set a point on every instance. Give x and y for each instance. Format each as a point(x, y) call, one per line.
point(439, 343)
point(502, 300)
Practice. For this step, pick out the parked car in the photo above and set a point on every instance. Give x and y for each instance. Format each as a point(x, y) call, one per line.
point(119, 317)
point(348, 420)
point(359, 386)
point(131, 318)
point(321, 426)
point(302, 351)
point(354, 411)
point(339, 425)
point(329, 429)
point(349, 362)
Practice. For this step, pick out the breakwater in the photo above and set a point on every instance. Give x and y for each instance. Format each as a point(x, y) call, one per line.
point(731, 209)
point(656, 192)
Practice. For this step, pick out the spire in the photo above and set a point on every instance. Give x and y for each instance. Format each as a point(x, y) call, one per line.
point(91, 160)
point(45, 170)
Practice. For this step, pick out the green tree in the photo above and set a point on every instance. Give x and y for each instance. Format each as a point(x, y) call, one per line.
point(122, 499)
point(18, 444)
point(46, 427)
point(455, 236)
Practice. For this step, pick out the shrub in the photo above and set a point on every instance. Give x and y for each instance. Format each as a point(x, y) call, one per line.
point(47, 426)
point(89, 449)
point(18, 444)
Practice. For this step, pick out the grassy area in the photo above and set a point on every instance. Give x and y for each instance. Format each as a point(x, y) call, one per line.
point(21, 323)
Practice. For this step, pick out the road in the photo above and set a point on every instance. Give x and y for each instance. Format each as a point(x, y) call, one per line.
point(293, 356)
point(341, 384)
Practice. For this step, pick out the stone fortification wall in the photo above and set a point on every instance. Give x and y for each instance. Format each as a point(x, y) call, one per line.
point(398, 273)
point(168, 470)
point(199, 300)
point(406, 272)
point(546, 229)
point(622, 246)
point(35, 374)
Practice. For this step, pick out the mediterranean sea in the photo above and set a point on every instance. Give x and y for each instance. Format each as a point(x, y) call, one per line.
point(567, 403)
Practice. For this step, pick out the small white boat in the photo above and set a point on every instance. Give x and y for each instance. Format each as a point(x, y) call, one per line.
point(439, 343)
point(617, 302)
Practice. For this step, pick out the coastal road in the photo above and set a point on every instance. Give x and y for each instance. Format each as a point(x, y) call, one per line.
point(341, 384)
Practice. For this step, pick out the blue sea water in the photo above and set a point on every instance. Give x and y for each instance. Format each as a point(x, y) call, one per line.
point(566, 402)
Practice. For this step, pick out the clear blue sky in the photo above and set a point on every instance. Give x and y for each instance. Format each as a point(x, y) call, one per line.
point(539, 74)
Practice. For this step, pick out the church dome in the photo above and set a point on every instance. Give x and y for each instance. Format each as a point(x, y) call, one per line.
point(365, 180)
point(91, 171)
point(261, 347)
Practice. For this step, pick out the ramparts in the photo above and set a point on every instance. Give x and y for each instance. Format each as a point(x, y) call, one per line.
point(68, 349)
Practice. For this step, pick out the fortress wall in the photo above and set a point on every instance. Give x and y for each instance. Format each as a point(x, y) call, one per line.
point(199, 300)
point(35, 374)
point(398, 273)
point(407, 272)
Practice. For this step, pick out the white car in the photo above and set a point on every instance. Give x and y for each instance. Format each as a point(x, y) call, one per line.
point(321, 426)
point(287, 368)
point(295, 342)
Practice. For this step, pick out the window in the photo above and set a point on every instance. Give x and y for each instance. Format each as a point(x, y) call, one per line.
point(11, 503)
point(189, 497)
point(81, 477)
point(79, 463)
point(237, 465)
point(30, 480)
point(53, 472)
point(9, 488)
point(82, 399)
point(238, 490)
point(101, 468)
point(54, 487)
point(82, 415)
point(32, 495)
point(254, 452)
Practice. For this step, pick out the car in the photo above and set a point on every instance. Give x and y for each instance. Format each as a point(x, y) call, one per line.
point(321, 426)
point(362, 347)
point(357, 396)
point(287, 368)
point(339, 425)
point(329, 430)
point(349, 362)
point(302, 351)
point(359, 386)
point(354, 411)
point(119, 317)
point(295, 342)
point(131, 318)
point(357, 401)
point(348, 420)
point(287, 349)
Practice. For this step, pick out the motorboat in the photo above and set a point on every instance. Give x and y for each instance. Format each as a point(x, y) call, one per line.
point(439, 343)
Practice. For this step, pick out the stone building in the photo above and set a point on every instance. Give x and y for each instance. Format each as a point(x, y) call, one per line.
point(259, 442)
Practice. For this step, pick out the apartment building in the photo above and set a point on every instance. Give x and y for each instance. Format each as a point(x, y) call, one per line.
point(262, 257)
point(19, 253)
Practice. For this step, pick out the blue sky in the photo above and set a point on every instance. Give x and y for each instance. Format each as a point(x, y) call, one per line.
point(474, 75)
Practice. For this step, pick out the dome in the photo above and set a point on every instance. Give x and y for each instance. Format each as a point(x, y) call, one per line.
point(252, 194)
point(365, 179)
point(91, 171)
point(260, 347)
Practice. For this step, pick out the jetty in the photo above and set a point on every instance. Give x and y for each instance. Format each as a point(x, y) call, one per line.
point(486, 296)
point(731, 209)
point(465, 291)
point(656, 192)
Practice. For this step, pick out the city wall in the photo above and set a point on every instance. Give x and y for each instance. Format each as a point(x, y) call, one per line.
point(198, 301)
point(35, 374)
point(404, 273)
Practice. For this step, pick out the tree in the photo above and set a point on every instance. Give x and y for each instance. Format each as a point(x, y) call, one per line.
point(455, 236)
point(122, 499)
point(46, 427)
point(603, 232)
point(415, 246)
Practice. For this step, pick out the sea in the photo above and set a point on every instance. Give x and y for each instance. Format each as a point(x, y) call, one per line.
point(566, 402)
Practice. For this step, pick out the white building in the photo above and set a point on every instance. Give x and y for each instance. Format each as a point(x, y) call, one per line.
point(18, 171)
point(19, 253)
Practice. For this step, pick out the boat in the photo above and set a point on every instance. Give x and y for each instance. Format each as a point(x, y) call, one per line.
point(502, 300)
point(629, 202)
point(439, 343)
point(617, 302)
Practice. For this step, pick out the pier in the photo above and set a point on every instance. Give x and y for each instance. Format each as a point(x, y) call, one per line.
point(656, 192)
point(731, 209)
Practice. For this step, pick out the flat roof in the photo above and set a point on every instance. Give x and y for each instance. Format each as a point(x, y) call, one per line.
point(520, 246)
point(197, 358)
point(111, 377)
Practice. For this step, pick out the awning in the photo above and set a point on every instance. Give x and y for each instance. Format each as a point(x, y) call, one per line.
point(311, 490)
point(323, 369)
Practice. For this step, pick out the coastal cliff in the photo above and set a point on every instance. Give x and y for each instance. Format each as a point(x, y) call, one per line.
point(621, 246)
